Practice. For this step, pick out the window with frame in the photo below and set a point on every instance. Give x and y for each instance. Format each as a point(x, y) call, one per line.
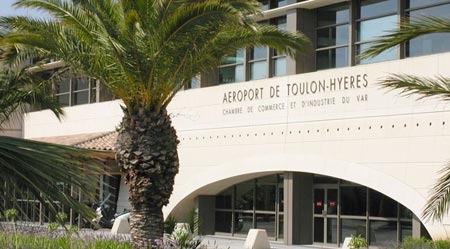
point(232, 68)
point(272, 4)
point(375, 19)
point(76, 91)
point(432, 43)
point(333, 34)
point(278, 59)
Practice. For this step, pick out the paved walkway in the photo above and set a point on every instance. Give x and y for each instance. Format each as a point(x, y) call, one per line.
point(220, 242)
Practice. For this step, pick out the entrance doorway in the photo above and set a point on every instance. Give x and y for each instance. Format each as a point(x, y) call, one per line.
point(326, 215)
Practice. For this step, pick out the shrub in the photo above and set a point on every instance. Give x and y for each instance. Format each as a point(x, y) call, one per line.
point(169, 224)
point(442, 244)
point(183, 238)
point(52, 227)
point(357, 242)
point(11, 214)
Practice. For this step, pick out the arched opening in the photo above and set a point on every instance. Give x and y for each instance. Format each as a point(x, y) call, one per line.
point(307, 208)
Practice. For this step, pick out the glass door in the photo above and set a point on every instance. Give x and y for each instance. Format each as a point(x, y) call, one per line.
point(325, 215)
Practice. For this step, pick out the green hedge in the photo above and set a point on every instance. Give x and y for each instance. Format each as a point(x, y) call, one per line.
point(423, 243)
point(22, 241)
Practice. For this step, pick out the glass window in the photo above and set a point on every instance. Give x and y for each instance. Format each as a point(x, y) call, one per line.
point(405, 230)
point(265, 4)
point(333, 36)
point(194, 83)
point(353, 201)
point(267, 222)
point(244, 195)
point(405, 213)
point(243, 222)
point(232, 69)
point(319, 199)
point(258, 53)
point(332, 15)
point(81, 83)
point(318, 230)
point(332, 228)
point(64, 100)
point(421, 3)
point(279, 66)
point(223, 222)
point(280, 226)
point(332, 58)
point(258, 70)
point(80, 98)
point(381, 205)
point(433, 43)
point(106, 94)
point(237, 57)
point(223, 200)
point(372, 8)
point(281, 196)
point(390, 54)
point(265, 197)
point(374, 28)
point(281, 3)
point(231, 74)
point(280, 23)
point(383, 233)
point(332, 201)
point(63, 86)
point(352, 227)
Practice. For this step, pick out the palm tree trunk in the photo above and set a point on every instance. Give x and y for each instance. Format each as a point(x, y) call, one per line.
point(146, 149)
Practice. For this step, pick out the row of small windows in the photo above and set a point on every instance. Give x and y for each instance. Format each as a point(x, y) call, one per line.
point(373, 18)
point(81, 90)
point(370, 127)
point(261, 62)
point(340, 36)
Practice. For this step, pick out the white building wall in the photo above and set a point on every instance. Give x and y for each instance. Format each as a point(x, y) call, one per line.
point(393, 144)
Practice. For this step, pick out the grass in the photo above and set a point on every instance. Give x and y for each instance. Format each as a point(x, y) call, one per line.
point(27, 241)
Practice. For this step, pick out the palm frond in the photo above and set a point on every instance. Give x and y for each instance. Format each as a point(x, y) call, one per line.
point(42, 166)
point(22, 89)
point(134, 47)
point(407, 30)
point(425, 87)
point(438, 203)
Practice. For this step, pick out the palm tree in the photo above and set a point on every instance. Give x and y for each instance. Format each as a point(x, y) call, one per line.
point(438, 203)
point(38, 166)
point(144, 51)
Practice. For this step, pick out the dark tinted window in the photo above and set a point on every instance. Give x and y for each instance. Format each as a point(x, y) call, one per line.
point(372, 8)
point(433, 43)
point(333, 15)
point(353, 201)
point(421, 3)
point(381, 205)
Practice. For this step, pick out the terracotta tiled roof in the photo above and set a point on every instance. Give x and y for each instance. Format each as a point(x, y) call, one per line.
point(95, 141)
point(102, 142)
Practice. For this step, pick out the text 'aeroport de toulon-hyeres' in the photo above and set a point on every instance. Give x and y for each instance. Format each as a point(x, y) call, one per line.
point(291, 90)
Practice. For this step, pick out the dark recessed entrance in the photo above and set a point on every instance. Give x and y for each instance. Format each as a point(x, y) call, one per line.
point(302, 208)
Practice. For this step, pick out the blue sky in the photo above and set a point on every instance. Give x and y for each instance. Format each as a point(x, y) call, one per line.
point(7, 10)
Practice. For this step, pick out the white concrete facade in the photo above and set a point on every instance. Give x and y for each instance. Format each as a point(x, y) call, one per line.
point(349, 128)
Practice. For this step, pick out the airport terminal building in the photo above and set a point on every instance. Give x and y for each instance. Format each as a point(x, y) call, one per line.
point(311, 149)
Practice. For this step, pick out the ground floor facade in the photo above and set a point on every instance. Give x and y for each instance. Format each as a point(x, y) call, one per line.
point(312, 209)
point(312, 158)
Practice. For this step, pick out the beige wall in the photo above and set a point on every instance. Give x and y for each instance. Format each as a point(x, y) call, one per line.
point(392, 144)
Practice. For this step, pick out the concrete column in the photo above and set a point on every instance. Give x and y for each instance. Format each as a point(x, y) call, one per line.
point(205, 206)
point(304, 21)
point(298, 198)
point(418, 230)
